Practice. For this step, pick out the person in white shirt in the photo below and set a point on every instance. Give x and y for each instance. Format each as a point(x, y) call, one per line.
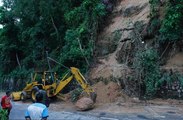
point(37, 111)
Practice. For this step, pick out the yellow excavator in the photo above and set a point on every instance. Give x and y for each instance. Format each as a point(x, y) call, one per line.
point(53, 88)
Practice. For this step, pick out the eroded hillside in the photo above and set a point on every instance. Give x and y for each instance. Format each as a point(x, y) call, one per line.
point(116, 39)
point(124, 34)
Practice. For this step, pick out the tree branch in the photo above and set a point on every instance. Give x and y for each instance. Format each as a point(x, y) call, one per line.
point(82, 51)
point(54, 26)
point(18, 60)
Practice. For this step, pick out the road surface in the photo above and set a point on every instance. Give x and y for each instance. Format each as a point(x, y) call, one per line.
point(151, 113)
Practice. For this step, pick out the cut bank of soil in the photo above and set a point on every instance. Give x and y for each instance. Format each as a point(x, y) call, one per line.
point(107, 93)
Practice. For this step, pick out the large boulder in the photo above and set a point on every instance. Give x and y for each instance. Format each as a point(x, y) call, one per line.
point(84, 104)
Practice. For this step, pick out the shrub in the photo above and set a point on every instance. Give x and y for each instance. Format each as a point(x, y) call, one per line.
point(172, 26)
point(148, 63)
point(3, 114)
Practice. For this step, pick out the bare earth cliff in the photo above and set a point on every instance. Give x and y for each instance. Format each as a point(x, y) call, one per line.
point(115, 46)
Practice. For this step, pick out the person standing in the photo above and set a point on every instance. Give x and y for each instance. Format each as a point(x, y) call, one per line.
point(6, 102)
point(37, 110)
point(46, 99)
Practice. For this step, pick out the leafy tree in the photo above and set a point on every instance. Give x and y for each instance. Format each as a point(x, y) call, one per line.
point(81, 35)
point(172, 27)
point(10, 46)
point(148, 64)
point(67, 29)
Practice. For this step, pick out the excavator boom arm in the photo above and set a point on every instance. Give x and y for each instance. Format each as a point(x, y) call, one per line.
point(80, 79)
point(62, 84)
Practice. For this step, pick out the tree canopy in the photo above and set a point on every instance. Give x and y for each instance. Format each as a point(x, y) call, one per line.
point(67, 29)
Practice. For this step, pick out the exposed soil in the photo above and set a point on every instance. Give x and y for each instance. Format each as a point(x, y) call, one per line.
point(110, 99)
point(108, 65)
point(107, 93)
point(175, 63)
point(176, 60)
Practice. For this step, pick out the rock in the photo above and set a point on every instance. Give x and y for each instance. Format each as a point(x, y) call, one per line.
point(135, 100)
point(131, 9)
point(84, 104)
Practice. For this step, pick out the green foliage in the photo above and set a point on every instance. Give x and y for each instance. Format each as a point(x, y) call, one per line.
point(66, 29)
point(154, 8)
point(180, 78)
point(116, 35)
point(3, 114)
point(169, 78)
point(170, 85)
point(172, 26)
point(151, 74)
point(170, 29)
point(164, 77)
point(79, 40)
point(154, 23)
point(20, 77)
point(72, 50)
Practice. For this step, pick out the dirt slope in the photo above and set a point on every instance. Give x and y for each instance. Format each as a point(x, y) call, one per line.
point(175, 63)
point(114, 41)
point(124, 15)
point(108, 68)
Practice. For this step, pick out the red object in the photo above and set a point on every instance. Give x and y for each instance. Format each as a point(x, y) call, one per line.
point(5, 102)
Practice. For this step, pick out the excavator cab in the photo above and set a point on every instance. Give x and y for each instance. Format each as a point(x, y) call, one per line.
point(40, 80)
